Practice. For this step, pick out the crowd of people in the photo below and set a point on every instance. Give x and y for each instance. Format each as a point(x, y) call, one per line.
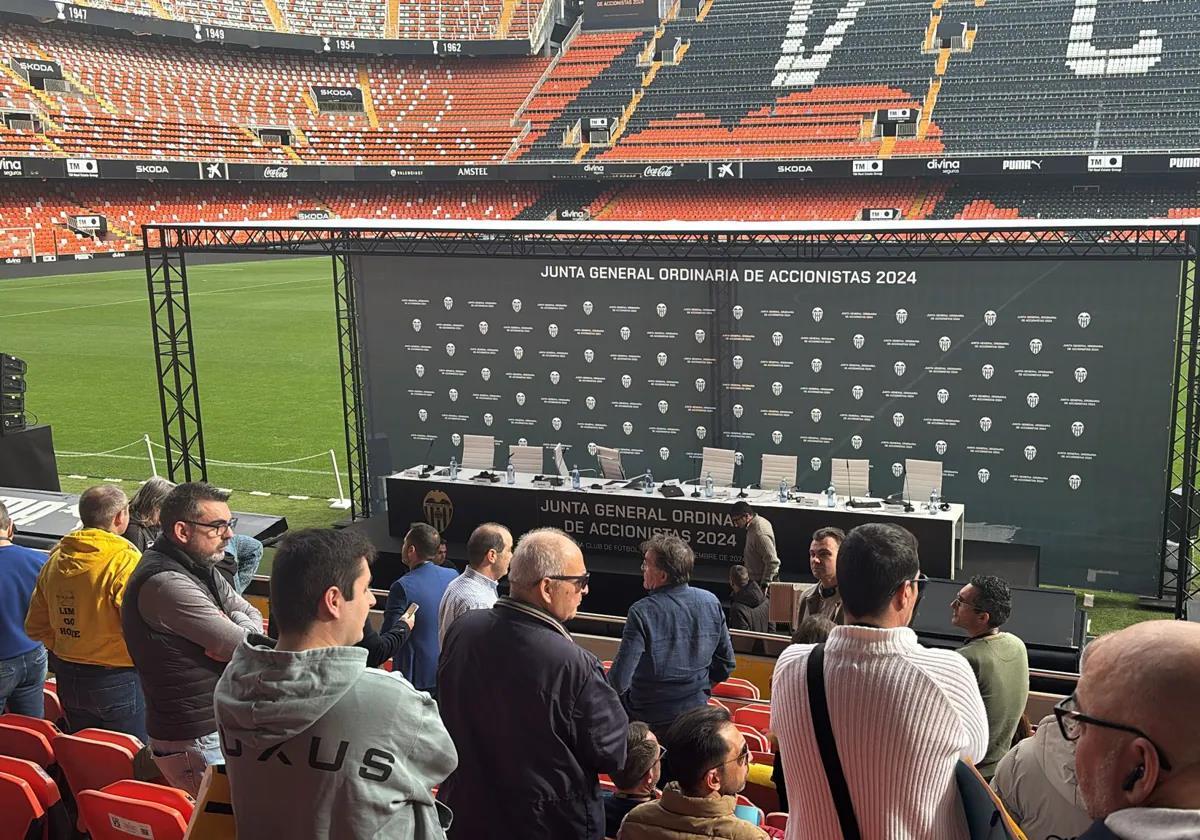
point(496, 723)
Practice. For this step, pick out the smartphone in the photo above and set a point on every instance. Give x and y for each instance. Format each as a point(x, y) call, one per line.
point(411, 611)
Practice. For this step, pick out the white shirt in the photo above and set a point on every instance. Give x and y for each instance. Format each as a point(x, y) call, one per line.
point(902, 716)
point(468, 591)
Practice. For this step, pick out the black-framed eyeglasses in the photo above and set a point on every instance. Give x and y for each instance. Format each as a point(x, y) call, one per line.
point(580, 581)
point(1071, 721)
point(959, 602)
point(920, 580)
point(742, 758)
point(216, 527)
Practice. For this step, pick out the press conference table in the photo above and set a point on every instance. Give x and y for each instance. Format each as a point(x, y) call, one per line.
point(610, 520)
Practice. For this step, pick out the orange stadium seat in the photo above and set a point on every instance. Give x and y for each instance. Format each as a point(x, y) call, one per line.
point(108, 815)
point(19, 805)
point(755, 715)
point(19, 742)
point(93, 758)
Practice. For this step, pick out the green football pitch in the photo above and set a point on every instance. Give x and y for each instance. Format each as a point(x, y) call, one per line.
point(266, 359)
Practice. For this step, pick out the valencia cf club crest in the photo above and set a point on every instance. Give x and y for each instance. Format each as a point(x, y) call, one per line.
point(587, 307)
point(416, 325)
point(989, 318)
point(859, 340)
point(701, 433)
point(516, 305)
point(983, 475)
point(815, 463)
point(661, 311)
point(897, 469)
point(856, 442)
point(940, 447)
point(898, 419)
point(1035, 346)
point(985, 424)
point(943, 396)
point(944, 344)
point(556, 423)
point(738, 410)
point(738, 312)
point(1083, 320)
point(439, 510)
point(817, 314)
point(589, 355)
point(901, 316)
point(816, 365)
point(448, 302)
point(777, 338)
point(664, 453)
point(776, 437)
point(988, 371)
point(625, 333)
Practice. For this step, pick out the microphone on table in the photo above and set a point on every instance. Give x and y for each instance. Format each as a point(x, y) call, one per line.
point(428, 468)
point(908, 505)
point(699, 478)
point(849, 486)
point(742, 494)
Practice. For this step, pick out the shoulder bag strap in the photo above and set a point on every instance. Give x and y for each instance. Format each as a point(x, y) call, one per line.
point(823, 731)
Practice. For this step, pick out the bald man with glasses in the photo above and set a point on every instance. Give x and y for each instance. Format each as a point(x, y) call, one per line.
point(530, 711)
point(1137, 740)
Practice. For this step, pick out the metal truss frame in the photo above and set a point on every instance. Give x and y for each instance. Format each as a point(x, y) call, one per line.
point(175, 360)
point(1181, 524)
point(350, 360)
point(166, 274)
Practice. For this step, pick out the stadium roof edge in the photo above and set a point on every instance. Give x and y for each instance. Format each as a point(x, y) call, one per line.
point(689, 227)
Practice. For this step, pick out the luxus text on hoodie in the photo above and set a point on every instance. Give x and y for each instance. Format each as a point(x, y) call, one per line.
point(317, 745)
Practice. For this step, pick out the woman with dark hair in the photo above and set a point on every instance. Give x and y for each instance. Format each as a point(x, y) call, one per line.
point(143, 527)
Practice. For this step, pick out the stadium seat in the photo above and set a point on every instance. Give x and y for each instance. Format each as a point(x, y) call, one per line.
point(19, 805)
point(44, 787)
point(40, 725)
point(20, 742)
point(754, 739)
point(713, 701)
point(760, 757)
point(93, 758)
point(111, 816)
point(777, 819)
point(736, 688)
point(756, 715)
point(53, 708)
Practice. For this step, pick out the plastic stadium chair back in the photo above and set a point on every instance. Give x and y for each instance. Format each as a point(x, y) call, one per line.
point(19, 742)
point(91, 761)
point(161, 794)
point(737, 689)
point(19, 805)
point(34, 724)
point(757, 715)
point(44, 788)
point(110, 817)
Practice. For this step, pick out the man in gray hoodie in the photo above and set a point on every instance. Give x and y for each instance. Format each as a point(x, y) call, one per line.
point(316, 744)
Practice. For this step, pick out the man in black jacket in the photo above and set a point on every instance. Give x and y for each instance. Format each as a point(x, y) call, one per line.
point(182, 621)
point(529, 757)
point(748, 607)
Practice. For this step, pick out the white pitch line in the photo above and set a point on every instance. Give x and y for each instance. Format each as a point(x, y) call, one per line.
point(142, 300)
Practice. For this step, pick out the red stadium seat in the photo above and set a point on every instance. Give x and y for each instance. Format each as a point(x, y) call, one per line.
point(19, 805)
point(108, 816)
point(147, 792)
point(93, 758)
point(606, 783)
point(53, 708)
point(754, 739)
point(33, 724)
point(757, 715)
point(19, 742)
point(713, 701)
point(736, 688)
point(777, 819)
point(762, 757)
point(44, 787)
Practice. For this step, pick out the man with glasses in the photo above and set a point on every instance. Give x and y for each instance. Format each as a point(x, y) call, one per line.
point(1133, 718)
point(675, 646)
point(710, 759)
point(999, 660)
point(892, 718)
point(530, 711)
point(76, 613)
point(637, 780)
point(182, 623)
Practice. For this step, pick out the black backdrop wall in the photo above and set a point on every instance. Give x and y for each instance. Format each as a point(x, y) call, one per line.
point(1043, 386)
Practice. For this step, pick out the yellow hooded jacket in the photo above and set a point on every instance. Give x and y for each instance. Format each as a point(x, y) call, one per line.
point(76, 607)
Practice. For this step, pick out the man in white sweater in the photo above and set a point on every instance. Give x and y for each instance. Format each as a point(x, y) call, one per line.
point(901, 715)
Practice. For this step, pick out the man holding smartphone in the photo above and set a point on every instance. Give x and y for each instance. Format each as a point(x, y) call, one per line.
point(421, 587)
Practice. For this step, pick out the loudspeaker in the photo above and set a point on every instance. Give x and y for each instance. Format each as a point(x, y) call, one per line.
point(12, 394)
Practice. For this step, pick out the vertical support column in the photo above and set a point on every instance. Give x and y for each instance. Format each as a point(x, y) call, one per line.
point(352, 397)
point(174, 356)
point(1185, 444)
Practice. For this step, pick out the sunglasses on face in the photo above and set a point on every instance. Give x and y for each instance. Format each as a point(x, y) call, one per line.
point(580, 581)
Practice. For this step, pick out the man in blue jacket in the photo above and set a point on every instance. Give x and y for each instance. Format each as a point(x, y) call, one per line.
point(423, 584)
point(22, 660)
point(676, 645)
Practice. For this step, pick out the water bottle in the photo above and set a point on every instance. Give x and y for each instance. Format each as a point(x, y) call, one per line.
point(575, 484)
point(510, 475)
point(708, 485)
point(783, 490)
point(648, 483)
point(831, 496)
point(453, 468)
point(935, 501)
